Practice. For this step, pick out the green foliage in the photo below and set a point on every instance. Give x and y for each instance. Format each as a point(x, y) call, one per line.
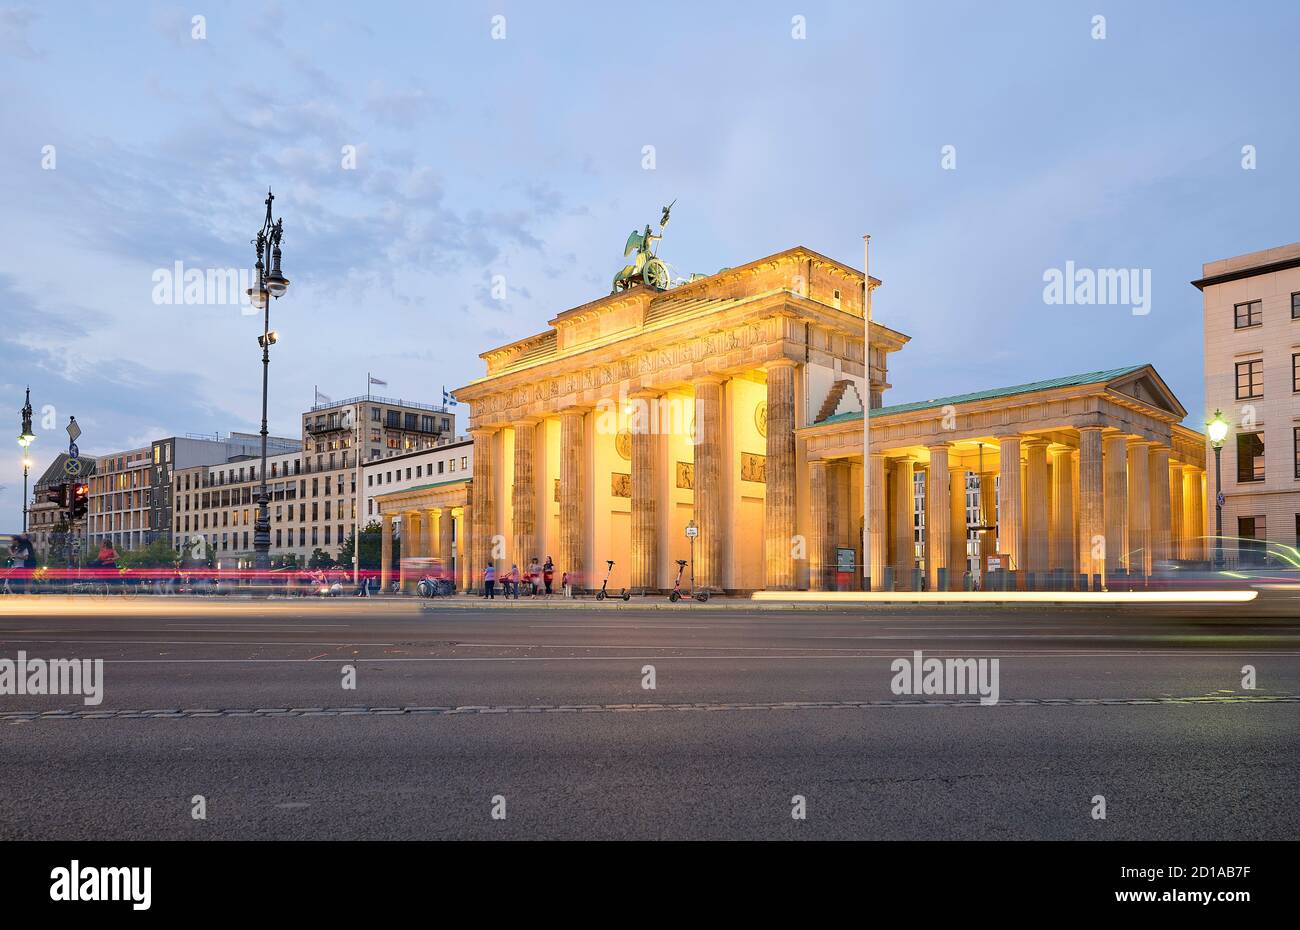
point(158, 554)
point(371, 548)
point(321, 559)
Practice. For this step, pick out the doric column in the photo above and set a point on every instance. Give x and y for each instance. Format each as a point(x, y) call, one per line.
point(1038, 527)
point(877, 521)
point(1160, 516)
point(385, 552)
point(1194, 502)
point(573, 524)
point(1177, 514)
point(1139, 505)
point(465, 547)
point(484, 518)
point(708, 482)
point(1092, 502)
point(819, 567)
point(1115, 460)
point(428, 520)
point(1062, 540)
point(523, 495)
point(938, 517)
point(410, 549)
point(645, 503)
point(445, 550)
point(778, 509)
point(957, 532)
point(1009, 513)
point(988, 517)
point(903, 524)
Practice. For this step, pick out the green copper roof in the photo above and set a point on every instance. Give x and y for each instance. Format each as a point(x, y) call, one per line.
point(1090, 377)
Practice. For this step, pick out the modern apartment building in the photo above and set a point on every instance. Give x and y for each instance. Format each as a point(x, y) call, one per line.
point(1252, 374)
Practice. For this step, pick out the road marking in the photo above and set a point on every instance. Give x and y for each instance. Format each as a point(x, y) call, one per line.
point(491, 709)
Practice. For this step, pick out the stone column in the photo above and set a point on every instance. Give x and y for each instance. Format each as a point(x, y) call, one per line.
point(938, 517)
point(484, 518)
point(1115, 457)
point(446, 550)
point(385, 552)
point(1177, 514)
point(410, 549)
point(1062, 541)
point(645, 503)
point(1160, 517)
point(1038, 528)
point(988, 517)
point(957, 534)
point(523, 494)
point(429, 549)
point(903, 526)
point(779, 497)
point(877, 521)
point(573, 523)
point(819, 567)
point(1194, 502)
point(465, 545)
point(1139, 506)
point(1009, 514)
point(1092, 502)
point(708, 482)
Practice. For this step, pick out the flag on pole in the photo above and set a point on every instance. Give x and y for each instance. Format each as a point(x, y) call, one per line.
point(374, 380)
point(322, 398)
point(447, 399)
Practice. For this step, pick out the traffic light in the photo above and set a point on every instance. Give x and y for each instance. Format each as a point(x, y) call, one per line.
point(80, 501)
point(58, 495)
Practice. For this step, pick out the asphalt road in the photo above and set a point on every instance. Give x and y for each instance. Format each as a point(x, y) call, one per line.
point(243, 703)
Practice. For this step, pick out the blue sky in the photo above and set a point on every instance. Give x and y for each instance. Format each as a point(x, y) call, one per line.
point(522, 157)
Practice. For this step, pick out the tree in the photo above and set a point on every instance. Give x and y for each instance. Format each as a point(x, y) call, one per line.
point(371, 548)
point(158, 554)
point(321, 559)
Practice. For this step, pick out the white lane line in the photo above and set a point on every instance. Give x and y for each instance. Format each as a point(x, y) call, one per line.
point(708, 658)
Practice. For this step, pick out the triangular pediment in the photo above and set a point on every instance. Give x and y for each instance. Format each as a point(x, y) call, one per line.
point(1147, 386)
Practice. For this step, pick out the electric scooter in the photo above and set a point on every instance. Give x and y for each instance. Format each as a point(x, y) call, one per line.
point(675, 594)
point(601, 594)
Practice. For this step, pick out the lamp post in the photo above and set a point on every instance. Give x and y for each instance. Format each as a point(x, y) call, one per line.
point(1218, 431)
point(267, 285)
point(25, 439)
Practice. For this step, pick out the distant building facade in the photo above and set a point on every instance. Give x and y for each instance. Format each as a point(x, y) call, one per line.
point(1252, 374)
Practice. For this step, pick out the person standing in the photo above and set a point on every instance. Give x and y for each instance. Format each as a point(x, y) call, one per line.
point(548, 575)
point(490, 581)
point(512, 581)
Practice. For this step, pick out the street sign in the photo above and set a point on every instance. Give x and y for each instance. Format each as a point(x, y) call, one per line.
point(74, 431)
point(1221, 498)
point(73, 451)
point(72, 467)
point(692, 531)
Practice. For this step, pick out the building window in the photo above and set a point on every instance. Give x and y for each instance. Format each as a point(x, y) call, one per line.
point(1295, 306)
point(835, 299)
point(1250, 379)
point(1295, 443)
point(440, 464)
point(1295, 372)
point(1250, 313)
point(1252, 542)
point(1250, 457)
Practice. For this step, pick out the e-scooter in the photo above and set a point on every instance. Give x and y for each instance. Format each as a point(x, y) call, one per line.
point(623, 592)
point(675, 594)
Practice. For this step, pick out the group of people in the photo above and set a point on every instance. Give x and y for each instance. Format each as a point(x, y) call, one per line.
point(538, 580)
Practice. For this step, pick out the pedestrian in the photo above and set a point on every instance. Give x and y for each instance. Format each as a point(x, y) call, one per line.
point(512, 581)
point(534, 577)
point(565, 586)
point(548, 575)
point(490, 581)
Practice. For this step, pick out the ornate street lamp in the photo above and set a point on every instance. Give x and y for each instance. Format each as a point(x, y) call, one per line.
point(268, 285)
point(25, 439)
point(1218, 432)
